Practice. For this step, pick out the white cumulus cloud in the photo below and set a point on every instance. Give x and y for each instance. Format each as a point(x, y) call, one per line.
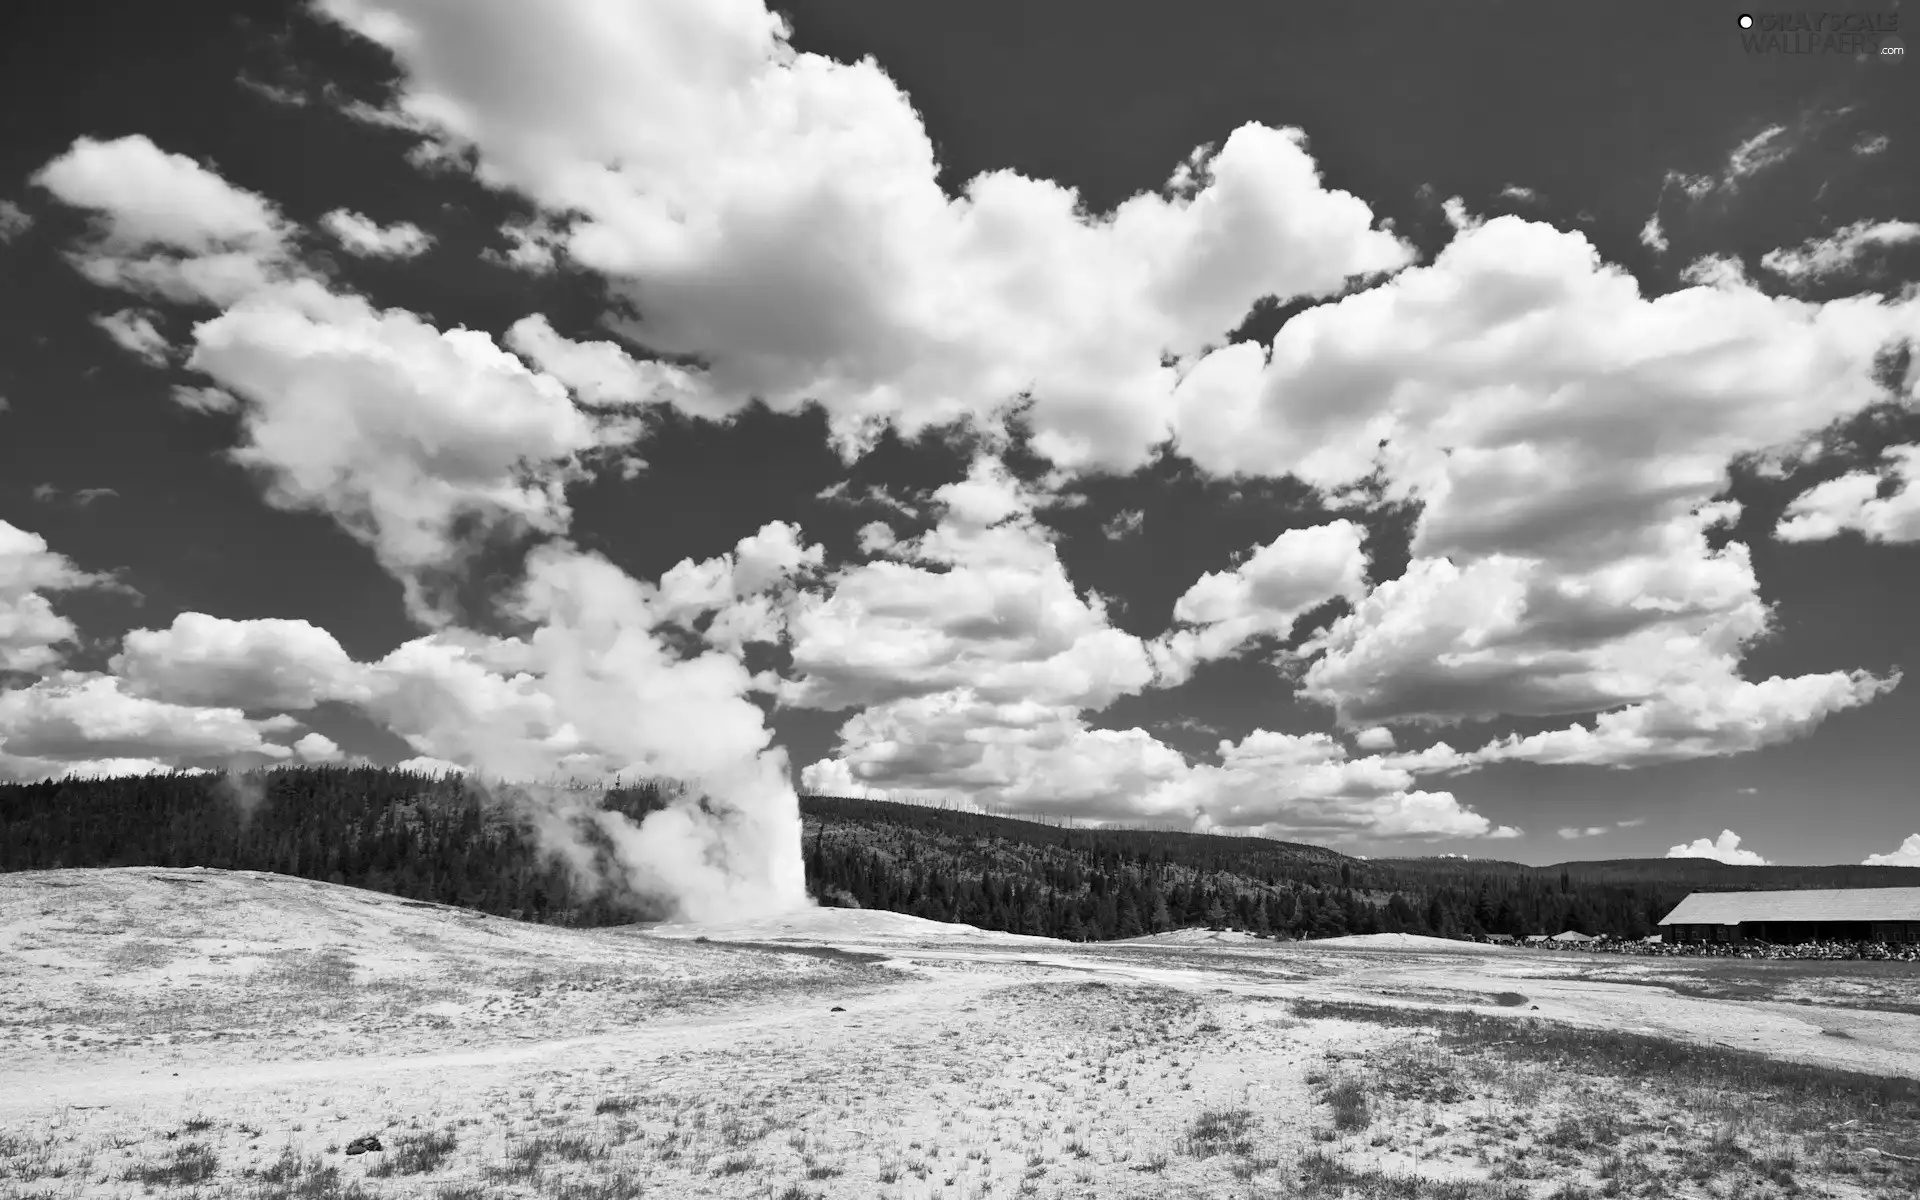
point(1725, 848)
point(1907, 854)
point(31, 632)
point(1278, 584)
point(253, 664)
point(1839, 252)
point(744, 596)
point(317, 748)
point(603, 375)
point(1032, 758)
point(14, 221)
point(1764, 149)
point(1855, 503)
point(778, 219)
point(981, 602)
point(778, 215)
point(1712, 718)
point(366, 237)
point(134, 332)
point(166, 225)
point(1377, 737)
point(1653, 236)
point(204, 399)
point(76, 716)
point(416, 440)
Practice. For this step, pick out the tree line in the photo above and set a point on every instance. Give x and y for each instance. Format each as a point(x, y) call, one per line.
point(445, 839)
point(424, 837)
point(1099, 884)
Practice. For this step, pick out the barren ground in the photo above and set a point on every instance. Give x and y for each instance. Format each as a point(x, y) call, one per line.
point(212, 1034)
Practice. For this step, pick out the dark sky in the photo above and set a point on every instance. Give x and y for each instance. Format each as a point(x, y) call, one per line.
point(1403, 105)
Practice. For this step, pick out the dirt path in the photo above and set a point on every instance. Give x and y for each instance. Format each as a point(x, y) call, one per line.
point(99, 1084)
point(1881, 1043)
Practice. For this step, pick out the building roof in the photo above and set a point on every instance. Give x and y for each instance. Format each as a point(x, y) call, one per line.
point(1813, 904)
point(1572, 936)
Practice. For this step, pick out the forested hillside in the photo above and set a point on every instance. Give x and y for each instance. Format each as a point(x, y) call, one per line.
point(443, 839)
point(1027, 877)
point(412, 835)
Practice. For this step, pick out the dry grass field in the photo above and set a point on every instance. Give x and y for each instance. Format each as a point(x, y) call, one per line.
point(227, 1034)
point(1883, 986)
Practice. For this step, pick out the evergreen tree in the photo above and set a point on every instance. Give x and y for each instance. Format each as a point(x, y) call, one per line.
point(1329, 921)
point(1507, 918)
point(1486, 910)
point(1032, 920)
point(1402, 914)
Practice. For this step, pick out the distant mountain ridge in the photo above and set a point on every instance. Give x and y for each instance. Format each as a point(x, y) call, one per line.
point(1709, 873)
point(1703, 874)
point(1698, 873)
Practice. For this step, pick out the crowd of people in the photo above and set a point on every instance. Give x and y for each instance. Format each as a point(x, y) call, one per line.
point(1751, 948)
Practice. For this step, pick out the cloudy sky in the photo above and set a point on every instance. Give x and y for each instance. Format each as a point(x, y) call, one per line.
point(1355, 424)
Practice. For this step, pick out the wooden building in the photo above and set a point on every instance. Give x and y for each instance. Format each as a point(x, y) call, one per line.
point(1832, 914)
